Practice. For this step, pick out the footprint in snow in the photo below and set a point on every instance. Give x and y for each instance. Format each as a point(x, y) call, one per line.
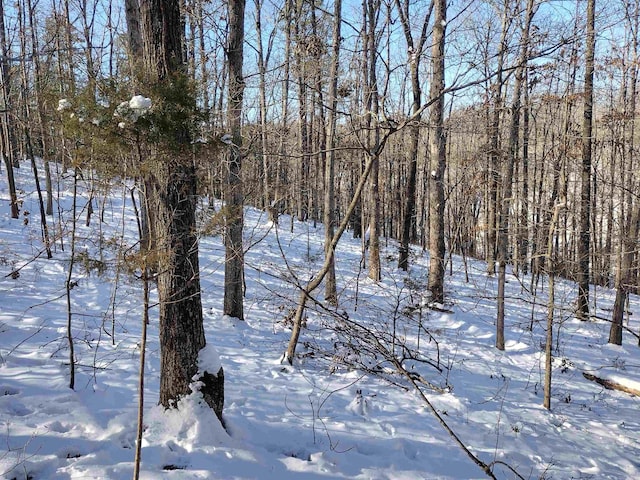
point(9, 391)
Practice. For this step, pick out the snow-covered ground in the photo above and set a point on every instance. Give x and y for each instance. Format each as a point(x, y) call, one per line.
point(318, 419)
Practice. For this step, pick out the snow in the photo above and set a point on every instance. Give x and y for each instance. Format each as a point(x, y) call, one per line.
point(63, 104)
point(132, 110)
point(320, 418)
point(140, 103)
point(209, 360)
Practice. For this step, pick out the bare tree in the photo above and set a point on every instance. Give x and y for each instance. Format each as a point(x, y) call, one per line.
point(584, 243)
point(507, 174)
point(6, 149)
point(371, 11)
point(234, 253)
point(437, 147)
point(331, 295)
point(629, 216)
point(414, 53)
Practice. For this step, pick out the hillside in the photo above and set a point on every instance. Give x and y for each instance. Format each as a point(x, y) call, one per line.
point(341, 411)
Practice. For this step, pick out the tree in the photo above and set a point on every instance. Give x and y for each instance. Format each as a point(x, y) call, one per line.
point(507, 174)
point(494, 140)
point(414, 51)
point(629, 216)
point(329, 201)
point(371, 10)
point(174, 197)
point(234, 253)
point(6, 149)
point(437, 150)
point(584, 242)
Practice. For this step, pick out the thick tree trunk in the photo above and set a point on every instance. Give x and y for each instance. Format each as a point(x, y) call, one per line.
point(174, 180)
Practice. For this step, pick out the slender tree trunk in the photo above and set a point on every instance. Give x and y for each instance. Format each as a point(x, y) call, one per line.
point(282, 150)
point(551, 272)
point(263, 61)
point(437, 146)
point(507, 175)
point(372, 8)
point(43, 215)
point(143, 351)
point(6, 148)
point(44, 136)
point(494, 145)
point(302, 186)
point(415, 53)
point(319, 277)
point(234, 252)
point(331, 294)
point(584, 244)
point(69, 284)
point(629, 237)
point(523, 227)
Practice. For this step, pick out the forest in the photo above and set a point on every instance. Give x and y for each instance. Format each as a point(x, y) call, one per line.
point(420, 146)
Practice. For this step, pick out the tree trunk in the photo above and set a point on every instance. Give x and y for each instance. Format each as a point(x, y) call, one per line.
point(626, 253)
point(174, 178)
point(415, 53)
point(6, 149)
point(372, 8)
point(331, 294)
point(437, 146)
point(494, 146)
point(507, 176)
point(582, 309)
point(234, 252)
point(551, 271)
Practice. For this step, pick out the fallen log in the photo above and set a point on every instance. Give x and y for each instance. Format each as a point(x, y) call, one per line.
point(611, 384)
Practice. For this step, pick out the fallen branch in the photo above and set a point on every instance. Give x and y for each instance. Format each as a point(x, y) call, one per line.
point(611, 384)
point(486, 468)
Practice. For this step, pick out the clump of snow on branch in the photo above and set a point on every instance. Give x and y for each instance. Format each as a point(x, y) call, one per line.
point(133, 109)
point(140, 104)
point(63, 104)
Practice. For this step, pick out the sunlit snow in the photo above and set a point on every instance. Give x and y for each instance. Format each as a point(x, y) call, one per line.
point(318, 419)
